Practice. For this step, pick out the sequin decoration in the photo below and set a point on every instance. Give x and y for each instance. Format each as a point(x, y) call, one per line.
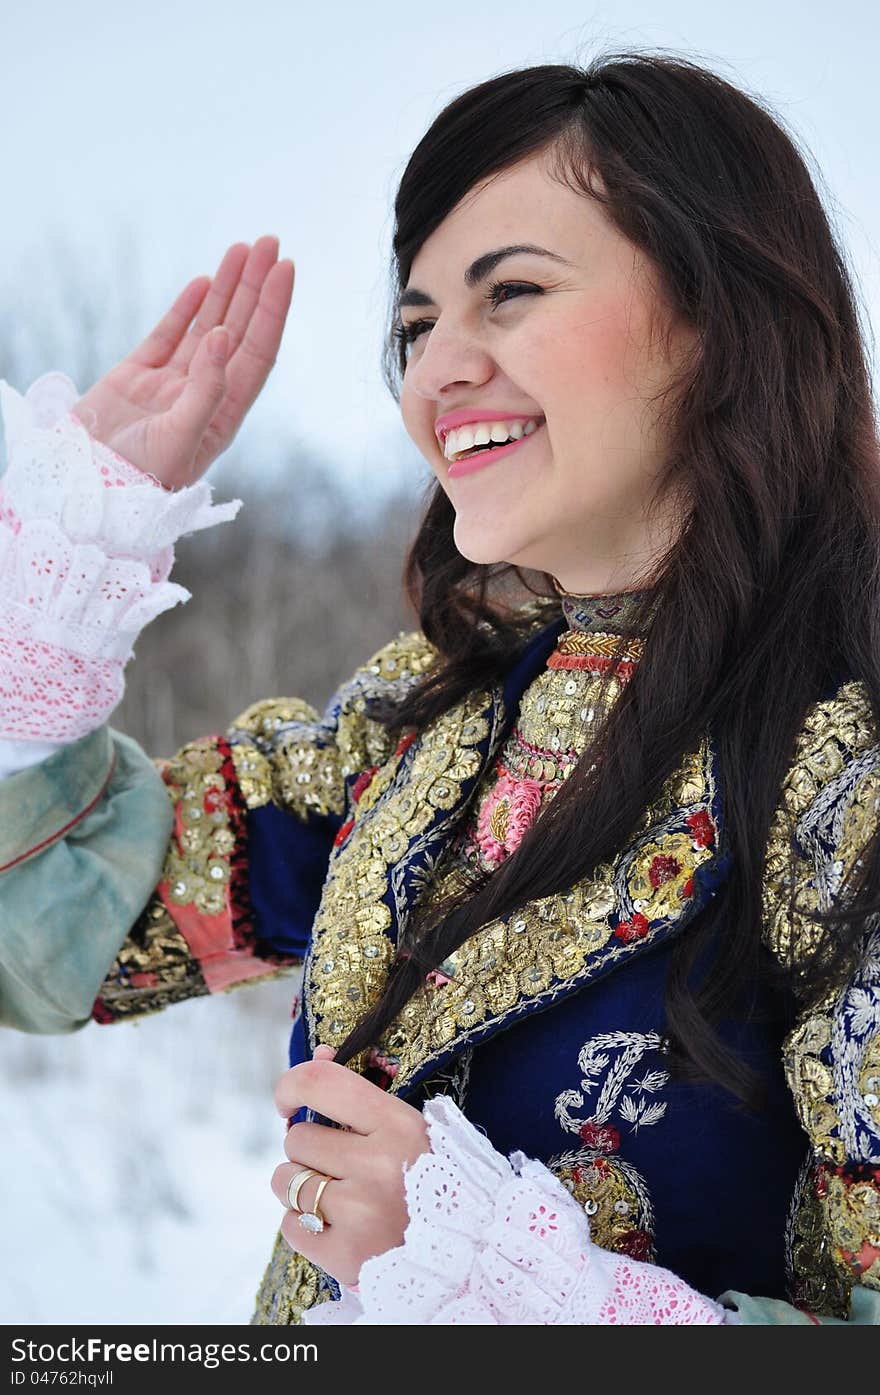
point(826, 816)
point(196, 934)
point(351, 929)
point(615, 1201)
point(286, 752)
point(153, 969)
point(814, 1279)
point(557, 942)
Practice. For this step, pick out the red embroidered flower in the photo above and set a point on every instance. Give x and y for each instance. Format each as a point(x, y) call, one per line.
point(634, 929)
point(662, 869)
point(636, 1244)
point(213, 800)
point(363, 780)
point(605, 1138)
point(506, 814)
point(702, 828)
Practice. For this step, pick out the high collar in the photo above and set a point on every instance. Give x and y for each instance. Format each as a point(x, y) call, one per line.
point(607, 613)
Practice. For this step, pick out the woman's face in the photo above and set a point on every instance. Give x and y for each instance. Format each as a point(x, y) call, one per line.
point(575, 343)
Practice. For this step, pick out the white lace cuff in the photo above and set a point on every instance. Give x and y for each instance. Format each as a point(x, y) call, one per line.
point(86, 547)
point(498, 1241)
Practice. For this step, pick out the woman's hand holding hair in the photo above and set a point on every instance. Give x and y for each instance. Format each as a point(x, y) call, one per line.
point(177, 401)
point(364, 1205)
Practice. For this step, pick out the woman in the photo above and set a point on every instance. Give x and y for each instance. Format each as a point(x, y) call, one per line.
point(587, 880)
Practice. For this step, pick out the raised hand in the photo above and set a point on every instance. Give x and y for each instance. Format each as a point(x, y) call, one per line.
point(176, 402)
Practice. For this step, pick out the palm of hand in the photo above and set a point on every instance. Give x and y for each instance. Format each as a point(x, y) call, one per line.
point(176, 402)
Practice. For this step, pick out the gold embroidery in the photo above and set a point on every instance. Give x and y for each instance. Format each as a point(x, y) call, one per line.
point(153, 969)
point(561, 708)
point(286, 752)
point(853, 1217)
point(814, 1279)
point(352, 951)
point(615, 1199)
point(834, 732)
point(553, 939)
point(290, 1284)
point(574, 642)
point(198, 870)
point(828, 802)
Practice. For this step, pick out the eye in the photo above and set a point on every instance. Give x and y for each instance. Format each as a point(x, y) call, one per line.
point(407, 334)
point(518, 287)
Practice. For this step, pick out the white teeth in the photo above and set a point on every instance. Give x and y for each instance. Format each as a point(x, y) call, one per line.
point(482, 433)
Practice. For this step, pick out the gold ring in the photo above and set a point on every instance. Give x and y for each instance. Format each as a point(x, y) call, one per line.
point(312, 1220)
point(295, 1184)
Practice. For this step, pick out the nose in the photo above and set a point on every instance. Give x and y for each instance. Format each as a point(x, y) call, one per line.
point(446, 357)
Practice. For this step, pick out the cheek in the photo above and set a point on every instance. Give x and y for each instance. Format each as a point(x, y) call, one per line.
point(592, 360)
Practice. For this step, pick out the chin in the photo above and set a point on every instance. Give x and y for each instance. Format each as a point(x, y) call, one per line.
point(486, 547)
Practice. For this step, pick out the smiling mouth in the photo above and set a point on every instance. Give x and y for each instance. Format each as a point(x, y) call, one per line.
point(489, 446)
point(481, 457)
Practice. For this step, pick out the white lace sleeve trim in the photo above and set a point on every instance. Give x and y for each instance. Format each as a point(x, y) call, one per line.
point(83, 561)
point(86, 548)
point(492, 1240)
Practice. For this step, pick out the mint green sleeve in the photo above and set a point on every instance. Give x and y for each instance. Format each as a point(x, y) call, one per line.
point(773, 1312)
point(83, 837)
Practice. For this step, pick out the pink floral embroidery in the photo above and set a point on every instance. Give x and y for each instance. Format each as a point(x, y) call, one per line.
point(437, 978)
point(543, 1221)
point(506, 815)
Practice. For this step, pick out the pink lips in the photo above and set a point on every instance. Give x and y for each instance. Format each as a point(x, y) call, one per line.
point(465, 415)
point(472, 463)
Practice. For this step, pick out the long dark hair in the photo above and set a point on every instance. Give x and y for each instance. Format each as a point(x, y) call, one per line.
point(773, 585)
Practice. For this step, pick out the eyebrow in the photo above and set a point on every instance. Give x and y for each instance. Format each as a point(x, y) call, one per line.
point(480, 269)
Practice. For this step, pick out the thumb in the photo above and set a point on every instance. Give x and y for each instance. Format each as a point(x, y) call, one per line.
point(323, 1053)
point(205, 386)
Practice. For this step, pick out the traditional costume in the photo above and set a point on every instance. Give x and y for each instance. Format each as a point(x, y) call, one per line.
point(305, 836)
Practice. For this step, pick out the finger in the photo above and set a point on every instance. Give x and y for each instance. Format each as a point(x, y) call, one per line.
point(332, 1199)
point(161, 342)
point(216, 302)
point(260, 261)
point(203, 391)
point(323, 1053)
point(334, 1091)
point(336, 1151)
point(330, 1251)
point(252, 362)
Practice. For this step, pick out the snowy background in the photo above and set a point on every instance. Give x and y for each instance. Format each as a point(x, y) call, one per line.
point(137, 144)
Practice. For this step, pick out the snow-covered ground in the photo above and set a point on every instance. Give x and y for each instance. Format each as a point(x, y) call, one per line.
point(136, 1160)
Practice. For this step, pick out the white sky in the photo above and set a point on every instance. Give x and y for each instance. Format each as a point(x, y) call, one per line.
point(201, 122)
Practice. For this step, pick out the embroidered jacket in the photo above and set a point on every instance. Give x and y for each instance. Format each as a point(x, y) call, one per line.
point(306, 836)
